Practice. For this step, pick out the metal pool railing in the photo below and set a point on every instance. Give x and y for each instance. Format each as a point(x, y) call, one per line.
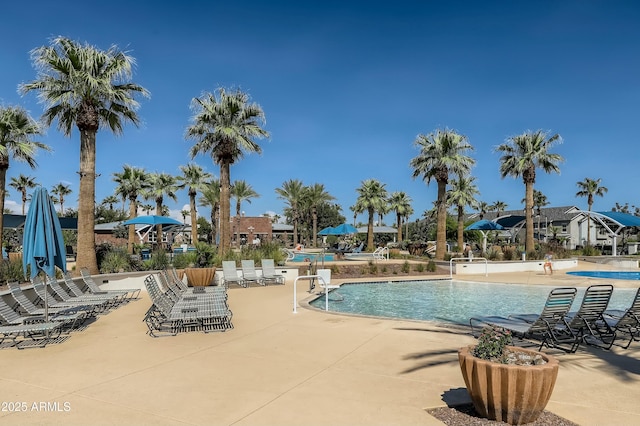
point(323, 284)
point(469, 259)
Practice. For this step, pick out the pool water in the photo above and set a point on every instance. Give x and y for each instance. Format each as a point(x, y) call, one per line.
point(308, 257)
point(449, 301)
point(612, 275)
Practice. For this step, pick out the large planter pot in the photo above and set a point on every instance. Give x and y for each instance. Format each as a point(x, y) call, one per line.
point(200, 277)
point(515, 394)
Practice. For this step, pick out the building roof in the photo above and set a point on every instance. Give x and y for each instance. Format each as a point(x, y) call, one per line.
point(13, 221)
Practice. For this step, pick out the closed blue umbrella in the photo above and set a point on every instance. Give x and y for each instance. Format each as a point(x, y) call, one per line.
point(43, 244)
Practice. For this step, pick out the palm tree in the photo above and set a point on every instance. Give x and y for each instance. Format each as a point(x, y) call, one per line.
point(131, 182)
point(521, 156)
point(89, 88)
point(400, 203)
point(161, 184)
point(110, 200)
point(589, 188)
point(225, 127)
point(463, 193)
point(184, 214)
point(371, 195)
point(17, 129)
point(241, 191)
point(22, 184)
point(315, 195)
point(292, 192)
point(195, 179)
point(498, 207)
point(539, 201)
point(61, 190)
point(407, 214)
point(147, 208)
point(211, 198)
point(482, 207)
point(441, 153)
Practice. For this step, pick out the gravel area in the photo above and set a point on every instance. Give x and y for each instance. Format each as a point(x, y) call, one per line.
point(465, 415)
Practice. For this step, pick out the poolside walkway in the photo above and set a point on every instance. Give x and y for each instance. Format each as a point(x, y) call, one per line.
point(280, 368)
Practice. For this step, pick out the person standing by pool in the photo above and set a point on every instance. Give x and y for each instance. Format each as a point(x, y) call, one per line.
point(547, 263)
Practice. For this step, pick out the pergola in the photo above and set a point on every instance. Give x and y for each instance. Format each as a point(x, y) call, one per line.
point(613, 223)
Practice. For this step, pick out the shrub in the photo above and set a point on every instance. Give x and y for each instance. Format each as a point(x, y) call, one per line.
point(491, 344)
point(373, 268)
point(493, 254)
point(431, 266)
point(159, 260)
point(114, 261)
point(183, 260)
point(510, 253)
point(11, 270)
point(419, 267)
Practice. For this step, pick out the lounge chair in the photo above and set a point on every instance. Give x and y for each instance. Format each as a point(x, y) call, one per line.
point(230, 274)
point(70, 317)
point(269, 272)
point(249, 273)
point(536, 327)
point(117, 297)
point(107, 303)
point(37, 334)
point(94, 288)
point(620, 322)
point(586, 325)
point(93, 308)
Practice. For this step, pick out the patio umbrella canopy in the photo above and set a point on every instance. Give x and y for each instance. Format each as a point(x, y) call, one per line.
point(482, 226)
point(43, 244)
point(152, 220)
point(344, 229)
point(327, 231)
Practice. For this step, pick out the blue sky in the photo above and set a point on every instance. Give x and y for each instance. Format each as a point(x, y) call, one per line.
point(347, 86)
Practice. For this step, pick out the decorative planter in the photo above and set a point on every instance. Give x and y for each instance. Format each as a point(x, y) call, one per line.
point(515, 394)
point(200, 277)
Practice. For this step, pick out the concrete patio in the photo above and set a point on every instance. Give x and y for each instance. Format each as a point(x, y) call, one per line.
point(280, 368)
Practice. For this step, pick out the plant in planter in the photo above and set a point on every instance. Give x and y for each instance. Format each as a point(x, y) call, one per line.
point(507, 383)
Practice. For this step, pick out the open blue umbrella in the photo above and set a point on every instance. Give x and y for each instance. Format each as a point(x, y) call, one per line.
point(43, 244)
point(152, 220)
point(344, 229)
point(482, 226)
point(327, 231)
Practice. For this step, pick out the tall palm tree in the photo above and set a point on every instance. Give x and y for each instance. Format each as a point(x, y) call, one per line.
point(22, 184)
point(241, 191)
point(315, 195)
point(211, 198)
point(61, 191)
point(400, 203)
point(539, 201)
point(17, 130)
point(225, 126)
point(109, 200)
point(90, 88)
point(292, 192)
point(194, 178)
point(132, 181)
point(521, 156)
point(161, 184)
point(441, 153)
point(463, 193)
point(588, 188)
point(371, 195)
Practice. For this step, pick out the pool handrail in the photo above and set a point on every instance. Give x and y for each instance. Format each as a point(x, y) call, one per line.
point(470, 259)
point(323, 283)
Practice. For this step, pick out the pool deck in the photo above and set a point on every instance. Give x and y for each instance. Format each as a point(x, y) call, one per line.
point(280, 368)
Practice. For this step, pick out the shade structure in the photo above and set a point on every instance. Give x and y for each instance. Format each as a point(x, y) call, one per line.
point(152, 220)
point(43, 244)
point(483, 226)
point(344, 229)
point(327, 231)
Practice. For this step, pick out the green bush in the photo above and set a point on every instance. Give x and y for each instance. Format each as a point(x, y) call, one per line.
point(493, 254)
point(590, 251)
point(11, 270)
point(184, 260)
point(419, 267)
point(114, 261)
point(431, 266)
point(373, 268)
point(159, 260)
point(510, 253)
point(406, 267)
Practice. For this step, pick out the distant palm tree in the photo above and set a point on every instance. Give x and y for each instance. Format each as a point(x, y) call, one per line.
point(356, 209)
point(521, 156)
point(22, 184)
point(498, 207)
point(400, 203)
point(17, 129)
point(184, 214)
point(61, 191)
point(315, 195)
point(109, 200)
point(195, 179)
point(147, 208)
point(161, 184)
point(225, 127)
point(242, 191)
point(539, 201)
point(211, 198)
point(371, 195)
point(292, 192)
point(441, 153)
point(483, 208)
point(131, 182)
point(89, 88)
point(463, 193)
point(589, 188)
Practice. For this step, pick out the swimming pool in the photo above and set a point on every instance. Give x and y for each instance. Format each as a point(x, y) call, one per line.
point(308, 257)
point(448, 301)
point(612, 275)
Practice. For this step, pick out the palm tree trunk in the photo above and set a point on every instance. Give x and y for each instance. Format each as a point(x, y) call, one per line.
point(225, 204)
point(370, 231)
point(399, 226)
point(159, 227)
point(589, 227)
point(460, 228)
point(441, 233)
point(132, 228)
point(3, 193)
point(194, 218)
point(315, 227)
point(528, 215)
point(86, 257)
